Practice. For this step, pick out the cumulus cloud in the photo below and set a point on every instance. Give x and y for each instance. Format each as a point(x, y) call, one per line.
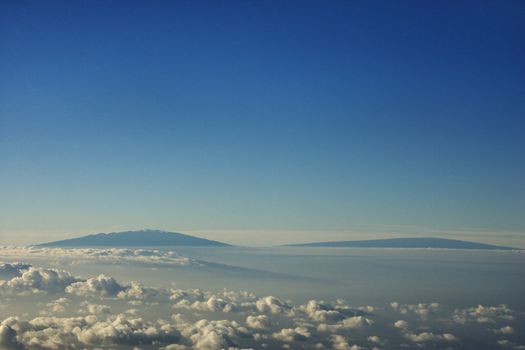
point(340, 343)
point(272, 305)
point(293, 334)
point(401, 324)
point(101, 285)
point(258, 322)
point(504, 330)
point(426, 337)
point(64, 332)
point(227, 301)
point(56, 306)
point(93, 309)
point(423, 310)
point(483, 314)
point(210, 335)
point(108, 287)
point(37, 280)
point(347, 323)
point(153, 257)
point(322, 311)
point(376, 340)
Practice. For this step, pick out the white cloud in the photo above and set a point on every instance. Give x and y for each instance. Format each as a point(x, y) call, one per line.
point(340, 343)
point(227, 301)
point(504, 330)
point(211, 335)
point(401, 324)
point(483, 314)
point(93, 309)
point(347, 323)
point(425, 337)
point(273, 305)
point(422, 309)
point(65, 332)
point(322, 311)
point(37, 280)
point(104, 255)
point(376, 340)
point(56, 306)
point(101, 285)
point(293, 334)
point(258, 322)
point(108, 287)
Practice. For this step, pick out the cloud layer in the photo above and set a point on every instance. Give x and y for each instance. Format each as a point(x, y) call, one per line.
point(101, 311)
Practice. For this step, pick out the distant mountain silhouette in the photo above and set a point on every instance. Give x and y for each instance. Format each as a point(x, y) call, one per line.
point(418, 242)
point(135, 238)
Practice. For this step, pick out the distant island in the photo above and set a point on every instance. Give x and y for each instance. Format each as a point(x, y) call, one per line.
point(417, 242)
point(142, 238)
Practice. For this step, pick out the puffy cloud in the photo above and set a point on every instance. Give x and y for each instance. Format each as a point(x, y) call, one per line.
point(101, 285)
point(425, 337)
point(68, 332)
point(56, 306)
point(93, 309)
point(347, 323)
point(376, 340)
point(340, 343)
point(210, 335)
point(273, 305)
point(207, 301)
point(108, 287)
point(121, 329)
point(28, 280)
point(227, 301)
point(37, 280)
point(293, 334)
point(483, 314)
point(322, 311)
point(504, 330)
point(258, 322)
point(423, 310)
point(401, 324)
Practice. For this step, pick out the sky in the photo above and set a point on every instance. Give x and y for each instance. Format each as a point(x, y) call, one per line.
point(262, 121)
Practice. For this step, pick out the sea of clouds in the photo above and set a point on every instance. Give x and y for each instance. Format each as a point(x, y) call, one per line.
point(100, 311)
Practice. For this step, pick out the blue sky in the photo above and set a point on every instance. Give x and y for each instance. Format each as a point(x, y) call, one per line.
point(261, 116)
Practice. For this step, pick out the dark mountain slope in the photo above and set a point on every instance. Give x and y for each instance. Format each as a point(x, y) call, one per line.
point(135, 238)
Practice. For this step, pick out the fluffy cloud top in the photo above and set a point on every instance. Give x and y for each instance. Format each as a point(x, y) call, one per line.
point(36, 280)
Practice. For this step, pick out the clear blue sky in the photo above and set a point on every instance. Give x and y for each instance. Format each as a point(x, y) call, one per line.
point(261, 115)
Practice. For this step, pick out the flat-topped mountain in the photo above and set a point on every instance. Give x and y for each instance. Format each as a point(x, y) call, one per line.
point(136, 238)
point(417, 242)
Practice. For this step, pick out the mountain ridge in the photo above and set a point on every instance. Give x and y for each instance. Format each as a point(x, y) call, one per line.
point(145, 237)
point(408, 242)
